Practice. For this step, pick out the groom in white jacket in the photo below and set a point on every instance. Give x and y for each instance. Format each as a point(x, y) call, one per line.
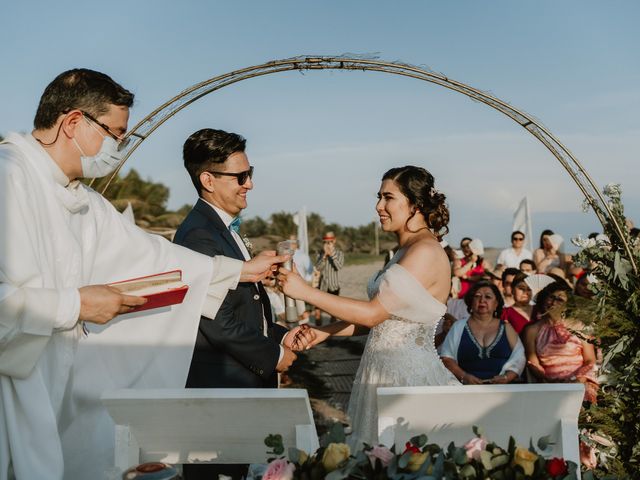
point(60, 244)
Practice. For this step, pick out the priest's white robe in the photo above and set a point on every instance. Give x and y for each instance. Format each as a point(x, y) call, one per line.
point(53, 240)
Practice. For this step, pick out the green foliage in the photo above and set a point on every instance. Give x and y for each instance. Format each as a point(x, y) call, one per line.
point(612, 426)
point(147, 198)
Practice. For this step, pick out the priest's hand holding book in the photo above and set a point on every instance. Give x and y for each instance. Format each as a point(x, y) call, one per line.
point(100, 303)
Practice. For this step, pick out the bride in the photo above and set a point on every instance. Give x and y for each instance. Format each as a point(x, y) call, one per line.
point(407, 299)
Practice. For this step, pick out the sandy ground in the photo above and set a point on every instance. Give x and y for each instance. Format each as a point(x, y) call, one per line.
point(354, 278)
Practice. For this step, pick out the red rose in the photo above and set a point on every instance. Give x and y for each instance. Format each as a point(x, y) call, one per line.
point(409, 447)
point(557, 467)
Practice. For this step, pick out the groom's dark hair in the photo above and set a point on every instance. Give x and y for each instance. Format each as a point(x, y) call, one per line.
point(207, 148)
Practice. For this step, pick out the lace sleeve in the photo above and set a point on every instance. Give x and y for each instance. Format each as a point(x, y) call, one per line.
point(403, 296)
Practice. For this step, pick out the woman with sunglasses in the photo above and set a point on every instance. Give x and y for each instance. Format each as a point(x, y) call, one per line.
point(407, 299)
point(555, 347)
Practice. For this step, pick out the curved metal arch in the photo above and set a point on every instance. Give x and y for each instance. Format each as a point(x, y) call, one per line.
point(574, 168)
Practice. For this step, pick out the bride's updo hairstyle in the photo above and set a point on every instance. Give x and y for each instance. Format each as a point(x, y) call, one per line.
point(417, 184)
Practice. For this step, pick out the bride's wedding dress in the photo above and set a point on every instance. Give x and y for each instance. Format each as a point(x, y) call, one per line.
point(399, 351)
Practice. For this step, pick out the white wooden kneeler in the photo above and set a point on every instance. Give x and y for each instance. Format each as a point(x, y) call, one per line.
point(447, 414)
point(207, 425)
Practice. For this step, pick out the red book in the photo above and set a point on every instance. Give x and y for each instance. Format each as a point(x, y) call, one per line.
point(160, 290)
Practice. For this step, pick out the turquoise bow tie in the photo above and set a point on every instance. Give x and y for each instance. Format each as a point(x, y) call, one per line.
point(235, 225)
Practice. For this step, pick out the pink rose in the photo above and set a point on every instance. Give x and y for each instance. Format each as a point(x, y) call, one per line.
point(380, 452)
point(279, 469)
point(475, 446)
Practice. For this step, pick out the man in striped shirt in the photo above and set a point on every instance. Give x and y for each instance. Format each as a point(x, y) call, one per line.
point(329, 264)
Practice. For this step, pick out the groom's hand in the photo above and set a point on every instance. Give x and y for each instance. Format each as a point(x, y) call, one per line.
point(299, 338)
point(287, 360)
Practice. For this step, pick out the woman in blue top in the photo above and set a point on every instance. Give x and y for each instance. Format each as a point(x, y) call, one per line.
point(483, 349)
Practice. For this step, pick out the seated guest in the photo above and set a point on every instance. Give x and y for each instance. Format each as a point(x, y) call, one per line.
point(539, 253)
point(483, 349)
point(472, 266)
point(528, 267)
point(518, 315)
point(443, 328)
point(511, 257)
point(582, 286)
point(495, 276)
point(549, 256)
point(507, 281)
point(555, 352)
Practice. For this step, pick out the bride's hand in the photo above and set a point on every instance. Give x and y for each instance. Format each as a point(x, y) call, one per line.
point(291, 284)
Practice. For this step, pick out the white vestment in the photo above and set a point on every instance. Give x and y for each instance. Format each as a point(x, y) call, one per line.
point(53, 240)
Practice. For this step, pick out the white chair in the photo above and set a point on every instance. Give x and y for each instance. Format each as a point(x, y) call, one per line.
point(207, 425)
point(445, 414)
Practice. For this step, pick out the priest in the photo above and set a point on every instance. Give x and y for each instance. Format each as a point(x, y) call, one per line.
point(61, 243)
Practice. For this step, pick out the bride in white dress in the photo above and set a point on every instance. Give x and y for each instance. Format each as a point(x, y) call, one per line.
point(407, 299)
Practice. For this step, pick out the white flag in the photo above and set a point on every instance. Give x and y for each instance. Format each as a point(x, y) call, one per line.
point(522, 222)
point(300, 219)
point(128, 213)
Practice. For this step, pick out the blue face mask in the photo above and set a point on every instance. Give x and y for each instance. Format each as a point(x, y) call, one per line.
point(102, 163)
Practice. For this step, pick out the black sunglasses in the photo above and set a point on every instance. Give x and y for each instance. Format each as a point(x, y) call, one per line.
point(242, 177)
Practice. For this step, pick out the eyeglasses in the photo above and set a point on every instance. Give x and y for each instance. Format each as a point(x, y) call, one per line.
point(242, 177)
point(518, 239)
point(122, 142)
point(555, 298)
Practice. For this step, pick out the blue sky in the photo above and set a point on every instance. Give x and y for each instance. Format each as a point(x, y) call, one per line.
point(323, 139)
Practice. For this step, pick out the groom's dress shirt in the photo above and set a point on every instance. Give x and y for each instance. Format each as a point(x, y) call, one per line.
point(227, 219)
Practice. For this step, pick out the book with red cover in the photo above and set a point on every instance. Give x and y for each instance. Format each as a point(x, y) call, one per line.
point(160, 290)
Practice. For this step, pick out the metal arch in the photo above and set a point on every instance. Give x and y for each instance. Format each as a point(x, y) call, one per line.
point(576, 171)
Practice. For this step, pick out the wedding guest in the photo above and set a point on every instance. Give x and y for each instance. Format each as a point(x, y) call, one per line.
point(549, 256)
point(511, 257)
point(507, 281)
point(538, 253)
point(495, 276)
point(634, 234)
point(556, 349)
point(581, 288)
point(329, 263)
point(471, 267)
point(483, 349)
point(518, 315)
point(528, 267)
point(303, 264)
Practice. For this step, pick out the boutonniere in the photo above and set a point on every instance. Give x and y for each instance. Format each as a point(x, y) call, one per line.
point(248, 244)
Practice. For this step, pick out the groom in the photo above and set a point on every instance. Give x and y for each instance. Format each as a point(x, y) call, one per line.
point(241, 347)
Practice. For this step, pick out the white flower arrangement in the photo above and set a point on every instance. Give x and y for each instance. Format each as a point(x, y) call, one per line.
point(248, 244)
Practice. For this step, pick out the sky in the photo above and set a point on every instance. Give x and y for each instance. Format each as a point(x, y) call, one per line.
point(323, 139)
